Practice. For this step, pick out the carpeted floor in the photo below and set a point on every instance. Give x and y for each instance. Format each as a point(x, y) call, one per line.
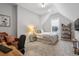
point(62, 48)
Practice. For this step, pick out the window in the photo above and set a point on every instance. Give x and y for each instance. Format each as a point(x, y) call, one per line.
point(54, 25)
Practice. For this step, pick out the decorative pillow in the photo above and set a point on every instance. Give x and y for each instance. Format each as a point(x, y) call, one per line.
point(2, 36)
point(3, 33)
point(10, 38)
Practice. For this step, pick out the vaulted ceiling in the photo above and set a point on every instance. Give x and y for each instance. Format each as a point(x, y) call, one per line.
point(36, 8)
point(70, 10)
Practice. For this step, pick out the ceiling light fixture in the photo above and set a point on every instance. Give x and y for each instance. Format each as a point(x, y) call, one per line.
point(43, 5)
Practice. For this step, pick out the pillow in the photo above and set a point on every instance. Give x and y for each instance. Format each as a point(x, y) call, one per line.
point(2, 36)
point(4, 33)
point(10, 38)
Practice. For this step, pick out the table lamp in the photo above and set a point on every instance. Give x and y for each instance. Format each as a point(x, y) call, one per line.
point(31, 32)
point(30, 29)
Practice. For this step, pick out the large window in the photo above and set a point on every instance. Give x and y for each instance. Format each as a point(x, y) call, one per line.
point(55, 25)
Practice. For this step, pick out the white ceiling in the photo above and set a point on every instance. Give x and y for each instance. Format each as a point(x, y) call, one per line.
point(36, 8)
point(70, 10)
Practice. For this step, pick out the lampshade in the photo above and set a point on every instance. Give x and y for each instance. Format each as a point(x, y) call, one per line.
point(31, 28)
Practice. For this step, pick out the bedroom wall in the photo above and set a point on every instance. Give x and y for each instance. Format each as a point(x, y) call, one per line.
point(24, 19)
point(10, 10)
point(70, 10)
point(47, 24)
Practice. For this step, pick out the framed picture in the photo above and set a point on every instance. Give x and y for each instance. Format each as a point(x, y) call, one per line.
point(4, 20)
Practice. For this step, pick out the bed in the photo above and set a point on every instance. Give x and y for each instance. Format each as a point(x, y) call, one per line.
point(48, 37)
point(42, 46)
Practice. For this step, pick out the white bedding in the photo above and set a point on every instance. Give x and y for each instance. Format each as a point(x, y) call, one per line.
point(48, 37)
point(48, 33)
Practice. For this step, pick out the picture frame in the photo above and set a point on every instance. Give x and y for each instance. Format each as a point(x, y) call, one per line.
point(4, 20)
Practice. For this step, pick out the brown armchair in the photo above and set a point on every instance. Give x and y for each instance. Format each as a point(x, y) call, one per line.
point(12, 40)
point(9, 39)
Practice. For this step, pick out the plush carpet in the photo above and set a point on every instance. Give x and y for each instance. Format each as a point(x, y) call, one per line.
point(62, 48)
